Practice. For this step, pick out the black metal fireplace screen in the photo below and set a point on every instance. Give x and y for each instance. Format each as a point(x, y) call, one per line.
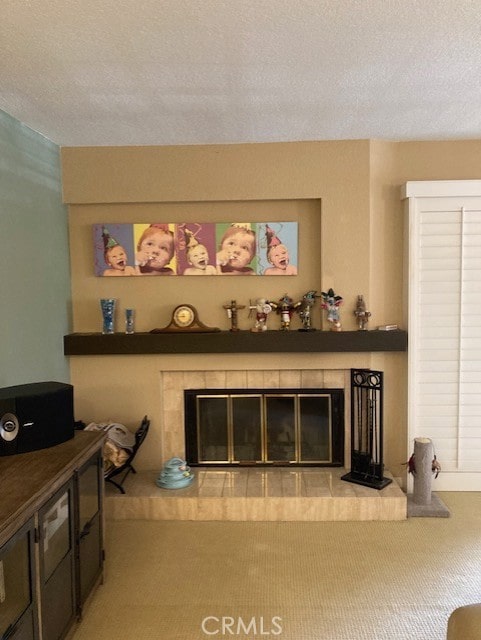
point(264, 427)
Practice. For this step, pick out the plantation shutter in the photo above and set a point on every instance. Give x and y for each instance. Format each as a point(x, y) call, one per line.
point(444, 319)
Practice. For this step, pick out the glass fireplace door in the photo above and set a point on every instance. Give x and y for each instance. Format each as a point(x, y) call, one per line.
point(315, 428)
point(267, 428)
point(247, 432)
point(213, 428)
point(281, 428)
point(229, 428)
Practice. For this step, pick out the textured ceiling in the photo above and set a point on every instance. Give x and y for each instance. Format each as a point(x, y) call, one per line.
point(137, 72)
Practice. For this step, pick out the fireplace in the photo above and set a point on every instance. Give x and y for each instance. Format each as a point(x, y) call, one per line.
point(264, 427)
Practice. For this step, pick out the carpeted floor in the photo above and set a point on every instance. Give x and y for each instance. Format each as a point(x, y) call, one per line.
point(171, 580)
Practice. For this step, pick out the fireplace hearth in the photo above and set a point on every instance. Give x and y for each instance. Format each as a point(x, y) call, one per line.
point(264, 427)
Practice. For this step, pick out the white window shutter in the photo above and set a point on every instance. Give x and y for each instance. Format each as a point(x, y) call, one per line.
point(445, 327)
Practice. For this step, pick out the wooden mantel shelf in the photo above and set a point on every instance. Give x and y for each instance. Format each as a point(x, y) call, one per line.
point(83, 344)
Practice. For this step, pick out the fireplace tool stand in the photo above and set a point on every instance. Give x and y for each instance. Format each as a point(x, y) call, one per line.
point(367, 466)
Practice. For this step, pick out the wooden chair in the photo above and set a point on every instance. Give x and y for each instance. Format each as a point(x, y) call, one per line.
point(127, 466)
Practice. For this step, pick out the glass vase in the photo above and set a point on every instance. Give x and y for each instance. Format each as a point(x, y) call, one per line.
point(107, 305)
point(129, 321)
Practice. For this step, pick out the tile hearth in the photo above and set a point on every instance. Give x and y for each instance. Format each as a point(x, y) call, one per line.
point(273, 494)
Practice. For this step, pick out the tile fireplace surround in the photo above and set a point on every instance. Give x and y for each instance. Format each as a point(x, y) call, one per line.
point(173, 384)
point(279, 493)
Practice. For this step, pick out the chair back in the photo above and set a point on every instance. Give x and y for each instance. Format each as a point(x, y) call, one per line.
point(140, 435)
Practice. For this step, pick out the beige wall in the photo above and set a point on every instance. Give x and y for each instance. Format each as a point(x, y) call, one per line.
point(323, 185)
point(345, 196)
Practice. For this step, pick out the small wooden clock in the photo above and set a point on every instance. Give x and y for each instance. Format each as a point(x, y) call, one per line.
point(185, 319)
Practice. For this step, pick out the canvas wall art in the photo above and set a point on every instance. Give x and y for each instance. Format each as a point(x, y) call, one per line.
point(196, 248)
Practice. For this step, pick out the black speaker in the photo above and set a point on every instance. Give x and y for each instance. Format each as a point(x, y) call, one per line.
point(35, 416)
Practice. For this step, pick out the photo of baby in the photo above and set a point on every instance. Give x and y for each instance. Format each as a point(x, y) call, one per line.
point(155, 249)
point(237, 249)
point(114, 254)
point(194, 249)
point(278, 253)
point(195, 244)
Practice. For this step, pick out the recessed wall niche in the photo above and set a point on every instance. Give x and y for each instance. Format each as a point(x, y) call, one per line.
point(154, 298)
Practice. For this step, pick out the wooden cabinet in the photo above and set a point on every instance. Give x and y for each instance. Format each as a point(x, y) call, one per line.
point(18, 599)
point(51, 536)
point(57, 566)
point(89, 540)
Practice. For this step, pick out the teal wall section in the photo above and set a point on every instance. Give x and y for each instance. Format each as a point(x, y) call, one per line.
point(35, 296)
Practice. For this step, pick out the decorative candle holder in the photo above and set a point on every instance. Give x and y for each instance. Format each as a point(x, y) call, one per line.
point(107, 305)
